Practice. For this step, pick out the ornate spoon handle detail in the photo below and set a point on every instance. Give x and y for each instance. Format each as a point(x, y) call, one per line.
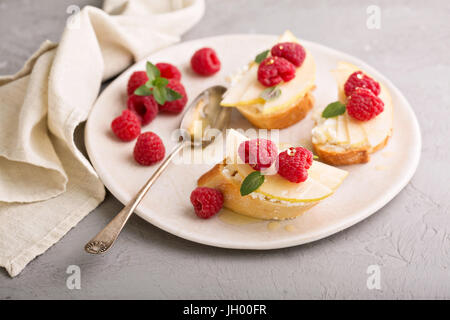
point(106, 238)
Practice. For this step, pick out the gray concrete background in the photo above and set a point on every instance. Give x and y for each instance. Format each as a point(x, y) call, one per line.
point(409, 238)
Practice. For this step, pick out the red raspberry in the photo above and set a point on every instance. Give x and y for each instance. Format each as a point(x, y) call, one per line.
point(206, 201)
point(258, 153)
point(175, 106)
point(126, 126)
point(149, 149)
point(145, 107)
point(291, 51)
point(360, 80)
point(169, 71)
point(273, 70)
point(205, 62)
point(293, 164)
point(136, 80)
point(363, 105)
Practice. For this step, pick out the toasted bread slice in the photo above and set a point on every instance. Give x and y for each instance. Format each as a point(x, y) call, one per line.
point(220, 178)
point(359, 139)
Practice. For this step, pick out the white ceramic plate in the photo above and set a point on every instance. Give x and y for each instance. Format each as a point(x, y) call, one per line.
point(367, 188)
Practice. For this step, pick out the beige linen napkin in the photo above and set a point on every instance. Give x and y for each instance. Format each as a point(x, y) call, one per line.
point(46, 184)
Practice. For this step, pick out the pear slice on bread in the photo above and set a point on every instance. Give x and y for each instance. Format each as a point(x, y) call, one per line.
point(291, 106)
point(277, 198)
point(354, 140)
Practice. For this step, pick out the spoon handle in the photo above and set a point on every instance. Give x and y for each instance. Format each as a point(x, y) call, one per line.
point(106, 238)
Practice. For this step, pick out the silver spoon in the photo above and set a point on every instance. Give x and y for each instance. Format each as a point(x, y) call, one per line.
point(206, 107)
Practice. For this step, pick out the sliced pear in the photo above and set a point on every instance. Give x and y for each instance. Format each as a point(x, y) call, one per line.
point(246, 91)
point(277, 187)
point(342, 132)
point(233, 97)
point(356, 133)
point(380, 127)
point(327, 175)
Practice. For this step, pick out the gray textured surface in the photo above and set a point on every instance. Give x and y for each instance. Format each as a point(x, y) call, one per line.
point(409, 238)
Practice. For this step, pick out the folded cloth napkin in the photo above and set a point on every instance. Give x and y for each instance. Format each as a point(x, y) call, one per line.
point(46, 184)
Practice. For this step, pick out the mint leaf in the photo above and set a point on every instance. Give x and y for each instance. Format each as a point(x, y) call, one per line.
point(152, 71)
point(260, 57)
point(143, 91)
point(334, 109)
point(252, 182)
point(149, 84)
point(172, 95)
point(315, 157)
point(271, 93)
point(160, 82)
point(160, 94)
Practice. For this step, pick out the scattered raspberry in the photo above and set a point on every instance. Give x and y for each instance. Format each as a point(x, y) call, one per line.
point(126, 126)
point(149, 149)
point(136, 80)
point(293, 164)
point(273, 70)
point(145, 107)
point(258, 153)
point(206, 201)
point(175, 106)
point(205, 62)
point(363, 105)
point(360, 80)
point(169, 71)
point(291, 51)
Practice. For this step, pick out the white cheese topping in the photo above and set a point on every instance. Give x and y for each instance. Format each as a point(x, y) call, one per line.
point(325, 131)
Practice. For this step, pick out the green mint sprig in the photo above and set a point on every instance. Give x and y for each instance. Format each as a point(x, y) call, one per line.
point(251, 182)
point(261, 56)
point(334, 109)
point(156, 86)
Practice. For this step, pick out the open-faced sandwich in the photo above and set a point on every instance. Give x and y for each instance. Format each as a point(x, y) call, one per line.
point(274, 91)
point(262, 180)
point(349, 130)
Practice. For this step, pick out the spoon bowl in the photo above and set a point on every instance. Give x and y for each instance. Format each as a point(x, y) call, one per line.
point(204, 113)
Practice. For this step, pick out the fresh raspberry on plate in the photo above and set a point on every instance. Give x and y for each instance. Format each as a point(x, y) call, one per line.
point(363, 105)
point(175, 106)
point(127, 126)
point(360, 80)
point(205, 62)
point(291, 51)
point(136, 80)
point(169, 71)
point(149, 149)
point(258, 153)
point(206, 201)
point(293, 164)
point(273, 70)
point(145, 107)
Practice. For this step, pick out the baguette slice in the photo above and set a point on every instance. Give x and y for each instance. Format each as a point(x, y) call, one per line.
point(348, 141)
point(294, 103)
point(224, 180)
point(277, 198)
